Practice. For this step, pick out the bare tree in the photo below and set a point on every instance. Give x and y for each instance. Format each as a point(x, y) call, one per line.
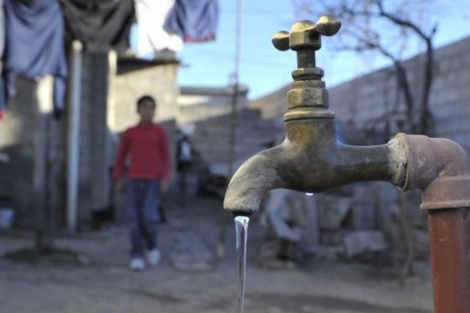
point(391, 29)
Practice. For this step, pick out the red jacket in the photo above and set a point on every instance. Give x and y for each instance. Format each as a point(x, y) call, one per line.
point(147, 147)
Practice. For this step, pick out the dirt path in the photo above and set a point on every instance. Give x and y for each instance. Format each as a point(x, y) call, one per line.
point(106, 285)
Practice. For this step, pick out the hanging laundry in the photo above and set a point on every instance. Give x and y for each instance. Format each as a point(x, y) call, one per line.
point(193, 20)
point(34, 47)
point(2, 28)
point(151, 37)
point(100, 25)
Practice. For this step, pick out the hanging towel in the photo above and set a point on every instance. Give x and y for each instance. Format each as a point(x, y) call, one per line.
point(151, 38)
point(34, 47)
point(193, 20)
point(101, 25)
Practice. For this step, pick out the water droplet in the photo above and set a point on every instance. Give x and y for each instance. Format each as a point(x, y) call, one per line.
point(241, 231)
point(309, 194)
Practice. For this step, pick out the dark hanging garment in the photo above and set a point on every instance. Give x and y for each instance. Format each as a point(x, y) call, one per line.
point(100, 25)
point(2, 29)
point(34, 47)
point(2, 47)
point(193, 20)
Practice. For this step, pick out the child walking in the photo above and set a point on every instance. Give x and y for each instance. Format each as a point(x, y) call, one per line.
point(146, 145)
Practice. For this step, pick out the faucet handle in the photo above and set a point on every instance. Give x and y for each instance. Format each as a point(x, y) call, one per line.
point(305, 35)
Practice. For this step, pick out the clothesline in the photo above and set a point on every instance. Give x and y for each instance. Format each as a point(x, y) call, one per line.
point(34, 33)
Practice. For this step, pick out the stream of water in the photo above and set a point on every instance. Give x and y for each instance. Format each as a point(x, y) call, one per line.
point(241, 231)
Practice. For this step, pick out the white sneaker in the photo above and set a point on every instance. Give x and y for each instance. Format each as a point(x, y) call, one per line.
point(153, 257)
point(137, 264)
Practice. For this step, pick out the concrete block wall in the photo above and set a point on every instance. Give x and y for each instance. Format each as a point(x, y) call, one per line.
point(273, 105)
point(16, 144)
point(135, 78)
point(103, 88)
point(206, 107)
point(366, 98)
point(369, 97)
point(201, 103)
point(253, 134)
point(23, 131)
point(208, 113)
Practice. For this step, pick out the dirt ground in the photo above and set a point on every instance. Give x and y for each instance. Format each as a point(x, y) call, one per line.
point(103, 283)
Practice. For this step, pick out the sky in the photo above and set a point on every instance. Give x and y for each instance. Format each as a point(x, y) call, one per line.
point(264, 69)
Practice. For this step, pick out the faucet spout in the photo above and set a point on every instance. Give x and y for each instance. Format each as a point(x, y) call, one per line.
point(310, 159)
point(253, 180)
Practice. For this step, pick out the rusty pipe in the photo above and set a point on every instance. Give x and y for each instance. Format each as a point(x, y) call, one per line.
point(449, 233)
point(441, 169)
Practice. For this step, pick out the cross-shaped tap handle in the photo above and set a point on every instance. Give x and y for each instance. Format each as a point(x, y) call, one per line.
point(305, 37)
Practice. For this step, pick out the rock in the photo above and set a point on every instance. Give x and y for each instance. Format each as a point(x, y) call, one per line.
point(364, 241)
point(329, 253)
point(332, 211)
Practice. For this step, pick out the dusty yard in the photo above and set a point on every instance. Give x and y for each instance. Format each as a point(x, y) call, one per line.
point(104, 284)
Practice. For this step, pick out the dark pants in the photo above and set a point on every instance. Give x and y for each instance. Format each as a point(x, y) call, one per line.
point(143, 200)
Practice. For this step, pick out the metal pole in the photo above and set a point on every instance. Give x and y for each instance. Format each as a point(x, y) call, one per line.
point(449, 232)
point(234, 83)
point(73, 134)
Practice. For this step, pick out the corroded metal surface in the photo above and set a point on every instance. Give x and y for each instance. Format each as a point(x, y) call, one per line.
point(449, 232)
point(440, 168)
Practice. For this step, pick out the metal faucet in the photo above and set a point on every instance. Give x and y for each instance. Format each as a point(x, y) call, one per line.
point(310, 159)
